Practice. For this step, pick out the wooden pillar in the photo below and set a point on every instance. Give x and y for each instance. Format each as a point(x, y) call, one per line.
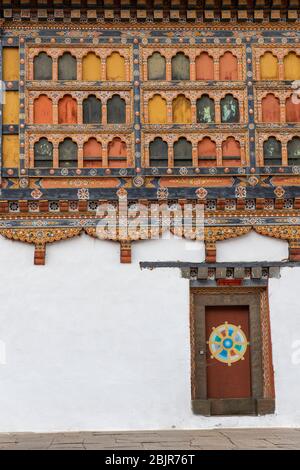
point(79, 69)
point(147, 155)
point(169, 70)
point(170, 155)
point(216, 69)
point(257, 68)
point(80, 112)
point(104, 113)
point(219, 154)
point(104, 155)
point(192, 70)
point(128, 113)
point(282, 111)
point(195, 154)
point(55, 69)
point(240, 69)
point(145, 70)
point(243, 154)
point(31, 111)
point(280, 69)
point(194, 112)
point(284, 154)
point(103, 68)
point(127, 70)
point(31, 69)
point(80, 155)
point(218, 112)
point(169, 112)
point(55, 112)
point(31, 155)
point(55, 155)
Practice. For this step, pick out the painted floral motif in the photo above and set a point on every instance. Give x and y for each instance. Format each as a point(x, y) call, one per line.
point(83, 193)
point(162, 193)
point(228, 343)
point(36, 194)
point(201, 193)
point(240, 192)
point(279, 192)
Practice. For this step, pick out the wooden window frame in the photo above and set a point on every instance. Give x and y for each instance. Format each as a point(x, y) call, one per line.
point(262, 400)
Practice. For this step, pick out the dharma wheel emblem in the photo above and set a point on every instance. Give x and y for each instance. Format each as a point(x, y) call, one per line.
point(227, 343)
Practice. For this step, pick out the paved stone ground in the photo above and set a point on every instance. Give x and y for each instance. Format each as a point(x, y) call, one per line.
point(227, 439)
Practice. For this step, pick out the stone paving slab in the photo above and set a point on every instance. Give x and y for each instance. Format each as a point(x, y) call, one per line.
point(213, 439)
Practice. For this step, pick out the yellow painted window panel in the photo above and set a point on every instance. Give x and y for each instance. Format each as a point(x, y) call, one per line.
point(269, 67)
point(11, 107)
point(11, 151)
point(291, 67)
point(182, 113)
point(91, 68)
point(11, 63)
point(157, 110)
point(115, 68)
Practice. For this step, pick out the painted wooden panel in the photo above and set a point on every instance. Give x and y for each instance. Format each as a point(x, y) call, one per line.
point(11, 63)
point(115, 68)
point(228, 67)
point(67, 110)
point(91, 67)
point(270, 108)
point(117, 153)
point(294, 151)
point(43, 154)
point(158, 151)
point(157, 109)
point(156, 67)
point(182, 113)
point(180, 67)
point(230, 109)
point(272, 152)
point(269, 67)
point(11, 107)
point(224, 381)
point(291, 66)
point(231, 152)
point(204, 67)
point(205, 110)
point(42, 69)
point(182, 153)
point(207, 152)
point(10, 151)
point(116, 110)
point(292, 111)
point(67, 67)
point(68, 154)
point(43, 113)
point(92, 154)
point(92, 110)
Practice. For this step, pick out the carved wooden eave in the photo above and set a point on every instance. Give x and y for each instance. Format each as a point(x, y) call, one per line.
point(40, 237)
point(152, 10)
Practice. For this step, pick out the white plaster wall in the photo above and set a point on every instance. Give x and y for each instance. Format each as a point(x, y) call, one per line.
point(91, 344)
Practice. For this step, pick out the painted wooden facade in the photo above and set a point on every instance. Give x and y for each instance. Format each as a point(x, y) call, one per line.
point(195, 104)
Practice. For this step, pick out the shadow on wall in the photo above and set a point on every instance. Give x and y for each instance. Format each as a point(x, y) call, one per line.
point(252, 247)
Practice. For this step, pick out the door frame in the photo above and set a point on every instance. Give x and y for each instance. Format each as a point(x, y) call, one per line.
point(262, 400)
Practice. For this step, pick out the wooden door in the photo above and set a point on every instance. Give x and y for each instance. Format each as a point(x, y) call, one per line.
point(228, 353)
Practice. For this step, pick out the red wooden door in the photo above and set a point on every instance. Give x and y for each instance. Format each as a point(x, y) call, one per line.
point(229, 341)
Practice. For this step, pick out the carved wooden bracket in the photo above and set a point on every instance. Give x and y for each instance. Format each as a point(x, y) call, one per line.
point(40, 237)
